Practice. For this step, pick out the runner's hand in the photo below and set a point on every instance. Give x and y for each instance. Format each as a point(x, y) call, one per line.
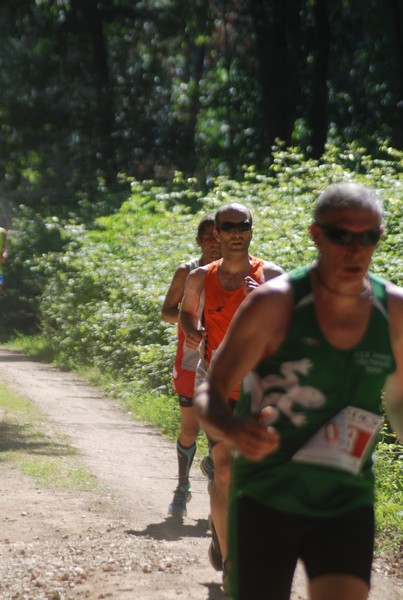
point(252, 439)
point(194, 338)
point(249, 284)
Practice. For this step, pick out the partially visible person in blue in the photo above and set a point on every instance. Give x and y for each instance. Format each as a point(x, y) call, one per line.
point(315, 348)
point(3, 255)
point(183, 376)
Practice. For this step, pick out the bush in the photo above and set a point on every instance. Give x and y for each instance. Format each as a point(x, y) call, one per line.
point(103, 286)
point(388, 469)
point(104, 291)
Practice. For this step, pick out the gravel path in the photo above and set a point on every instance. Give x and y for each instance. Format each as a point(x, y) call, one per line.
point(116, 543)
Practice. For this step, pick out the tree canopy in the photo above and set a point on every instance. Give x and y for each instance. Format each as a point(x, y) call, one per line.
point(90, 89)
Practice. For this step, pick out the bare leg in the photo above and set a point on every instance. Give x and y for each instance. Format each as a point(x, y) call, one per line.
point(335, 587)
point(219, 493)
point(189, 426)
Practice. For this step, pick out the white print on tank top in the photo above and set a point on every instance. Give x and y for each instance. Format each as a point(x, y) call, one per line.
point(283, 392)
point(343, 442)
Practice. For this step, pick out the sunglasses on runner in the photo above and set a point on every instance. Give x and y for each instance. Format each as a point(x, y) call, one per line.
point(231, 227)
point(344, 237)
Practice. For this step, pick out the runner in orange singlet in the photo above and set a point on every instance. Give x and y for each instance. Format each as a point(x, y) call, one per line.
point(220, 305)
point(225, 284)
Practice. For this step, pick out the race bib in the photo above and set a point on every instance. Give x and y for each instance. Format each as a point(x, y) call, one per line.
point(343, 442)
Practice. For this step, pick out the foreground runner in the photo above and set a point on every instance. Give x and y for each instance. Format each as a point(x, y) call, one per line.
point(316, 347)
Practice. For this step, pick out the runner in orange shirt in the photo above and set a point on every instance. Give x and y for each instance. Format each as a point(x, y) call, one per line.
point(225, 284)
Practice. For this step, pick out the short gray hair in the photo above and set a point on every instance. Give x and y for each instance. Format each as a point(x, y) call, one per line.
point(347, 195)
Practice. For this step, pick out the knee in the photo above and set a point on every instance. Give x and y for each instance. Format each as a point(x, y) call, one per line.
point(189, 430)
point(189, 425)
point(222, 477)
point(222, 472)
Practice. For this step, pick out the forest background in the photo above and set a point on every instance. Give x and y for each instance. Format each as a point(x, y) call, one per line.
point(122, 123)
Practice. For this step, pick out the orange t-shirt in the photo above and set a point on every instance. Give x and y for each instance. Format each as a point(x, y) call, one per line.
point(220, 306)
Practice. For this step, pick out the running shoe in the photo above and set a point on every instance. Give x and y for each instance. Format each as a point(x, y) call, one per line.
point(214, 551)
point(181, 498)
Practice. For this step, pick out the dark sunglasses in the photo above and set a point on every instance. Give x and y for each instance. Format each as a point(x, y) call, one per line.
point(231, 227)
point(343, 237)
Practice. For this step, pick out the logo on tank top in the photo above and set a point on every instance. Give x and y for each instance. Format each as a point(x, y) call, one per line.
point(309, 341)
point(217, 309)
point(374, 363)
point(284, 392)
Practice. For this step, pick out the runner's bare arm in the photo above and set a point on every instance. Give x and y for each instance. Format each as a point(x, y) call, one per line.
point(189, 309)
point(256, 331)
point(170, 307)
point(270, 270)
point(394, 383)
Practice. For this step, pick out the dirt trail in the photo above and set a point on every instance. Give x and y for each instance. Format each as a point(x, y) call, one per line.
point(120, 543)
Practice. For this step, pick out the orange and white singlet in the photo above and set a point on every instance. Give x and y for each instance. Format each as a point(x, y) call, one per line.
point(186, 359)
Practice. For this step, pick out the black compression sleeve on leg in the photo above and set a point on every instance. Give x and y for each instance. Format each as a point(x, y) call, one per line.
point(185, 460)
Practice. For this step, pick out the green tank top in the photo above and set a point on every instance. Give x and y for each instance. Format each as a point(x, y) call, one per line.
point(328, 407)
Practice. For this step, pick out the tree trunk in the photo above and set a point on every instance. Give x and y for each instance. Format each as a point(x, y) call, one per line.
point(397, 19)
point(196, 57)
point(318, 113)
point(275, 72)
point(90, 22)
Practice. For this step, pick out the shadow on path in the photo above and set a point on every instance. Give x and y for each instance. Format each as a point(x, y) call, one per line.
point(15, 437)
point(6, 356)
point(172, 529)
point(214, 591)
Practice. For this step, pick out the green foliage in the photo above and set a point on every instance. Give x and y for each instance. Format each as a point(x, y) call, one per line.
point(145, 88)
point(100, 288)
point(388, 468)
point(32, 237)
point(103, 296)
point(109, 280)
point(36, 346)
point(34, 233)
